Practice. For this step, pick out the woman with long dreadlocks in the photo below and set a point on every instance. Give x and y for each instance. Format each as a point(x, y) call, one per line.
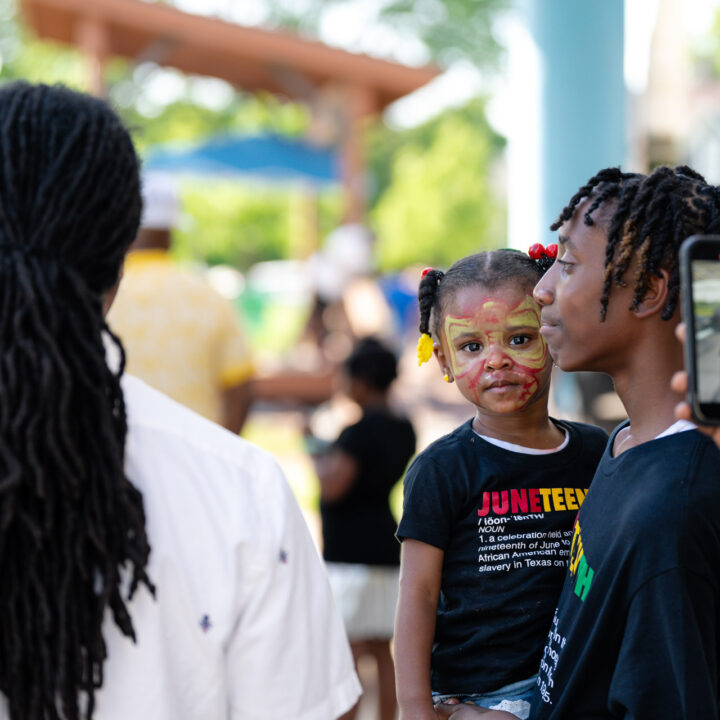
point(154, 567)
point(636, 632)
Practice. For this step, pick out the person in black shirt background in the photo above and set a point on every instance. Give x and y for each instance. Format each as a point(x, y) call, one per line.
point(636, 633)
point(356, 474)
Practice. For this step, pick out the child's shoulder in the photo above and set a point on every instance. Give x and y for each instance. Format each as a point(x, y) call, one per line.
point(447, 446)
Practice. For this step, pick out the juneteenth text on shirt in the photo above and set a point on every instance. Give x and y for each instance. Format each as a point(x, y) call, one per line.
point(531, 549)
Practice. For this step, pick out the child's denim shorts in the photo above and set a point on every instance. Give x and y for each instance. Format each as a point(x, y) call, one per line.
point(514, 698)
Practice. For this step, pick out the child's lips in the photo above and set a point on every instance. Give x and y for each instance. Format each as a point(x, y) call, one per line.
point(503, 382)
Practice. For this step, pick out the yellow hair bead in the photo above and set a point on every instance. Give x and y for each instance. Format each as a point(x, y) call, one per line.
point(424, 348)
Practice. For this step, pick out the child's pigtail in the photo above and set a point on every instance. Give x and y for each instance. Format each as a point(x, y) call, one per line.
point(426, 299)
point(544, 257)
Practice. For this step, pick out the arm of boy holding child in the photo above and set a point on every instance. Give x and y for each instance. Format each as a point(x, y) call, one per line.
point(420, 574)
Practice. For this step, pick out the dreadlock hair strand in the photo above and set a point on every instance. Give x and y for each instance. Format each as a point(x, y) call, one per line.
point(608, 175)
point(72, 526)
point(650, 217)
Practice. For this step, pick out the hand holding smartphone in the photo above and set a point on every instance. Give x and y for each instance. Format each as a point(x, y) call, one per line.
point(700, 284)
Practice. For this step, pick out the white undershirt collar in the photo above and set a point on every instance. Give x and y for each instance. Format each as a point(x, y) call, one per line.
point(521, 448)
point(677, 427)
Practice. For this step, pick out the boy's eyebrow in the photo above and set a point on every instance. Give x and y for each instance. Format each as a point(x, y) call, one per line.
point(565, 240)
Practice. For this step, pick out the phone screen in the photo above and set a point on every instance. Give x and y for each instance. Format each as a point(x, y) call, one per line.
point(706, 316)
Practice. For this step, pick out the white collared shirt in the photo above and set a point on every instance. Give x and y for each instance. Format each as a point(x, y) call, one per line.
point(243, 626)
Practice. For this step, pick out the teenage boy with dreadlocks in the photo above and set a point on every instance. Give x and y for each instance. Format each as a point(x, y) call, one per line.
point(636, 632)
point(153, 565)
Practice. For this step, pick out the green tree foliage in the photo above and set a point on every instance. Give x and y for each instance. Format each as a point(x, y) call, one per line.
point(186, 120)
point(23, 57)
point(384, 143)
point(440, 203)
point(706, 53)
point(449, 30)
point(234, 223)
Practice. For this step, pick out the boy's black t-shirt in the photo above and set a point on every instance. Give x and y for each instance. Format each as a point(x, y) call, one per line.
point(504, 521)
point(636, 632)
point(360, 527)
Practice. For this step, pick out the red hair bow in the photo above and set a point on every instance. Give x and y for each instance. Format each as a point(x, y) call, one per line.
point(537, 251)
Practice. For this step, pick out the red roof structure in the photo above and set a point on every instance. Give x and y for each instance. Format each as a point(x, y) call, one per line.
point(251, 59)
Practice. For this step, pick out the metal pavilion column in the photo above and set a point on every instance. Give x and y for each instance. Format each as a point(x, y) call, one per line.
point(579, 44)
point(582, 95)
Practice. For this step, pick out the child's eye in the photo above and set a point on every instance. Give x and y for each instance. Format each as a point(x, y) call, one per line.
point(472, 347)
point(565, 266)
point(520, 339)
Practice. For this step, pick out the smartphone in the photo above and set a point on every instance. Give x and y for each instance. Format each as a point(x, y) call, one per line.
point(700, 283)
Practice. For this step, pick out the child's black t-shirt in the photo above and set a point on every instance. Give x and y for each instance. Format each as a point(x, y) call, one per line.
point(504, 521)
point(637, 630)
point(360, 527)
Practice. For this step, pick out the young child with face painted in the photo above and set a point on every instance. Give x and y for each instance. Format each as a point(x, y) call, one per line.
point(488, 509)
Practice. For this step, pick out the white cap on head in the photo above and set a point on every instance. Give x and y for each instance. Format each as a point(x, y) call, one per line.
point(161, 204)
point(347, 253)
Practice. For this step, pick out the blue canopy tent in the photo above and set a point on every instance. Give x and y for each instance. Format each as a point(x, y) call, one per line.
point(301, 167)
point(270, 157)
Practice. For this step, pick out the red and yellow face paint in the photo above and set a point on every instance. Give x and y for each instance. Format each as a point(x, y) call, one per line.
point(494, 347)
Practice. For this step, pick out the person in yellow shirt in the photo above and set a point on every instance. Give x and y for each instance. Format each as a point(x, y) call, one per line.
point(180, 335)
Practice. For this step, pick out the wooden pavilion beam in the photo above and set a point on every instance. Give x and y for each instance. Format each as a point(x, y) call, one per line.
point(249, 58)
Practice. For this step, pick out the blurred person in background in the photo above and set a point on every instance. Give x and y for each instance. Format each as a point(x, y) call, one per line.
point(154, 566)
point(181, 336)
point(347, 300)
point(356, 473)
point(346, 253)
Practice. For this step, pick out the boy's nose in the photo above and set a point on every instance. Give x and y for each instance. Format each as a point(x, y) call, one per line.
point(543, 294)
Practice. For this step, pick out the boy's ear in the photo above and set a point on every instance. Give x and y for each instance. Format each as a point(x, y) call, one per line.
point(656, 295)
